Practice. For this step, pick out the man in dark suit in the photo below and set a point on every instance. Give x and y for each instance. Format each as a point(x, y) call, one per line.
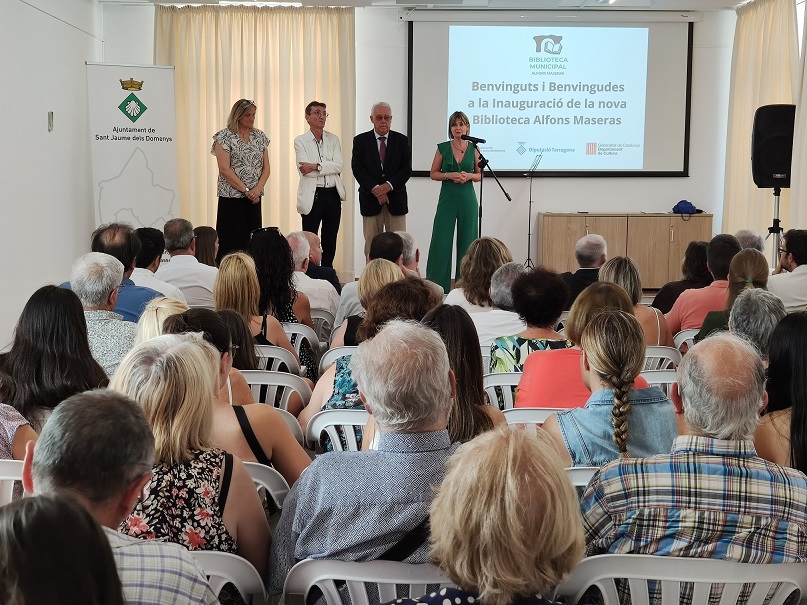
point(382, 163)
point(591, 252)
point(315, 269)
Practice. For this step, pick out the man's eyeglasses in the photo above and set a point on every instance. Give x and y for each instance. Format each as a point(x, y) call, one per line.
point(782, 251)
point(319, 114)
point(383, 118)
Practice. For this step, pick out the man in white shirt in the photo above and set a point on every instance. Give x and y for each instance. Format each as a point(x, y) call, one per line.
point(789, 281)
point(321, 294)
point(152, 246)
point(319, 196)
point(500, 320)
point(194, 279)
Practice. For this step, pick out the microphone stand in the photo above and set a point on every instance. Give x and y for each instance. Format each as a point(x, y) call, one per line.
point(483, 163)
point(528, 264)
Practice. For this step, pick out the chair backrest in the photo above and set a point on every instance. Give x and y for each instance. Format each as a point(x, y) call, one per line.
point(276, 359)
point(685, 339)
point(299, 333)
point(485, 349)
point(294, 426)
point(223, 567)
point(269, 479)
point(387, 576)
point(581, 475)
point(501, 388)
point(274, 381)
point(667, 574)
point(331, 355)
point(10, 471)
point(335, 423)
point(529, 417)
point(661, 358)
point(661, 379)
point(323, 324)
point(561, 325)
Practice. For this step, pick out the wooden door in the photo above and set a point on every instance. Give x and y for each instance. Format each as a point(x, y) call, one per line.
point(683, 231)
point(649, 247)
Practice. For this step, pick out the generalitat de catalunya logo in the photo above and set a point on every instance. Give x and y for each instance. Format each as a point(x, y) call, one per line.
point(132, 107)
point(548, 44)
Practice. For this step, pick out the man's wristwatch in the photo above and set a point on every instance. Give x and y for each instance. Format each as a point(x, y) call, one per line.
point(319, 167)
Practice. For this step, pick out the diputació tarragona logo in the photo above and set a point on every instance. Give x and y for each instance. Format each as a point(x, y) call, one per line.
point(550, 45)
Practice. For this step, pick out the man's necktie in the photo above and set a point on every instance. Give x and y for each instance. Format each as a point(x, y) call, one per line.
point(382, 150)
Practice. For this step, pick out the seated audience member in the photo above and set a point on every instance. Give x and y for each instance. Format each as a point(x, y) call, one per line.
point(748, 270)
point(618, 420)
point(552, 378)
point(388, 246)
point(15, 433)
point(194, 279)
point(750, 239)
point(623, 272)
point(500, 319)
point(95, 279)
point(156, 312)
point(121, 241)
point(110, 430)
point(174, 379)
point(255, 433)
point(494, 556)
point(207, 245)
point(376, 273)
point(53, 551)
point(237, 288)
point(245, 357)
point(538, 298)
point(789, 281)
point(754, 315)
point(374, 498)
point(591, 252)
point(315, 269)
point(152, 246)
point(696, 275)
point(691, 306)
point(321, 294)
point(50, 357)
point(278, 297)
point(780, 436)
point(410, 262)
point(408, 298)
point(712, 496)
point(472, 290)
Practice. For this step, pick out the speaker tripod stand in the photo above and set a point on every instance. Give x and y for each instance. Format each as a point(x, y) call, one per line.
point(775, 229)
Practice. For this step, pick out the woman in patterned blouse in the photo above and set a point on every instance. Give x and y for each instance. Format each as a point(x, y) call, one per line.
point(243, 161)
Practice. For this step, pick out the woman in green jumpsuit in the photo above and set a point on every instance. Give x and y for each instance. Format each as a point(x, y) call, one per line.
point(456, 165)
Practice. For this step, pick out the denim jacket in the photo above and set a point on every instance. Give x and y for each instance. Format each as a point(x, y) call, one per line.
point(588, 432)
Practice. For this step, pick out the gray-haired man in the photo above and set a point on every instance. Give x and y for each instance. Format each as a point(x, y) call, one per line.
point(98, 447)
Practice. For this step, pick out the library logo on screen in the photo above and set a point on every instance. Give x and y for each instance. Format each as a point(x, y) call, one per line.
point(549, 45)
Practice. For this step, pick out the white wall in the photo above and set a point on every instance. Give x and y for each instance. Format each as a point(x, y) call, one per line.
point(381, 72)
point(46, 204)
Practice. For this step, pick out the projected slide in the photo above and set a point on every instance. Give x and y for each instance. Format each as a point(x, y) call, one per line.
point(575, 97)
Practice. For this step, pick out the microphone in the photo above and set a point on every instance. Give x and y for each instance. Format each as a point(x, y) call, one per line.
point(473, 140)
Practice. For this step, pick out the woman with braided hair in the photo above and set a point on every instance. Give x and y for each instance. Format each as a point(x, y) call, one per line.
point(618, 420)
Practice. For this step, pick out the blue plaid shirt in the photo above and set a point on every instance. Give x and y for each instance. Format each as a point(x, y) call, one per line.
point(708, 498)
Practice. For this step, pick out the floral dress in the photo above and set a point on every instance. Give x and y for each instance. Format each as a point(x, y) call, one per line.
point(345, 396)
point(306, 355)
point(182, 504)
point(508, 353)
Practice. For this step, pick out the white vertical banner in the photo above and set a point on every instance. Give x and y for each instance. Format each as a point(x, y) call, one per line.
point(133, 143)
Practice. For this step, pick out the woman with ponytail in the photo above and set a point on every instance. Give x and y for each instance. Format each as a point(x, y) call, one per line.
point(618, 420)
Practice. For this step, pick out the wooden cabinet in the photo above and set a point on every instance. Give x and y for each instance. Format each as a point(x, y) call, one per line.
point(656, 242)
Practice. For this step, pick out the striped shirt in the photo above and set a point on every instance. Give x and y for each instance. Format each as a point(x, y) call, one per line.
point(708, 498)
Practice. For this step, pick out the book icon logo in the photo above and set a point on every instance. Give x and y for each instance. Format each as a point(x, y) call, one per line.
point(548, 44)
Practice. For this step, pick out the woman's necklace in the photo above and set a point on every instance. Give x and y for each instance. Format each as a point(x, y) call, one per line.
point(458, 148)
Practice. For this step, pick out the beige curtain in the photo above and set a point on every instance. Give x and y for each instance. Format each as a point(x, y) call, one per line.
point(764, 67)
point(282, 58)
point(797, 218)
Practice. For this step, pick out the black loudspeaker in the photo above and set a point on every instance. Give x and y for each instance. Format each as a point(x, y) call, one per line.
point(772, 145)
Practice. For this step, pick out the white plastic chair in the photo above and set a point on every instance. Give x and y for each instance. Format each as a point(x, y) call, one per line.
point(323, 325)
point(685, 337)
point(331, 355)
point(532, 417)
point(10, 471)
point(387, 576)
point(501, 388)
point(299, 333)
point(661, 358)
point(270, 480)
point(561, 325)
point(224, 567)
point(660, 378)
point(274, 380)
point(485, 350)
point(335, 423)
point(294, 426)
point(670, 572)
point(581, 475)
point(274, 358)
